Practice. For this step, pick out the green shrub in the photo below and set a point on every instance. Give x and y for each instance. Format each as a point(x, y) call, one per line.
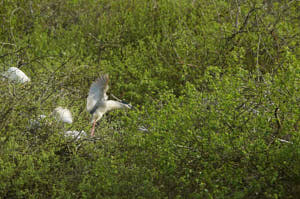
point(214, 85)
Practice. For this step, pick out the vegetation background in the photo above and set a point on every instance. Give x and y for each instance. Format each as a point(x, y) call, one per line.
point(215, 82)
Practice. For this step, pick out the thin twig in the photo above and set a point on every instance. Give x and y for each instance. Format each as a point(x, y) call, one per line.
point(14, 51)
point(241, 30)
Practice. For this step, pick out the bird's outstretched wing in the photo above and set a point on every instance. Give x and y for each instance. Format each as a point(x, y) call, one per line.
point(97, 92)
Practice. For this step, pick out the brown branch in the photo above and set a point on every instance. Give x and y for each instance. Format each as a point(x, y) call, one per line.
point(241, 30)
point(6, 54)
point(277, 120)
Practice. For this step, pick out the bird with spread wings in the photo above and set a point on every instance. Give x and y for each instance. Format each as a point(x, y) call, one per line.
point(98, 103)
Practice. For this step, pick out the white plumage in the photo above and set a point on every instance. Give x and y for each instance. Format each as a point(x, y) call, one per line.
point(63, 114)
point(75, 134)
point(98, 103)
point(15, 74)
point(142, 128)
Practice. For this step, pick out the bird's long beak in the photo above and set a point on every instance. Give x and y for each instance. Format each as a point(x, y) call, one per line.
point(128, 105)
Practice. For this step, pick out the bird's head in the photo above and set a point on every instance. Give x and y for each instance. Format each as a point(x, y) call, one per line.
point(97, 115)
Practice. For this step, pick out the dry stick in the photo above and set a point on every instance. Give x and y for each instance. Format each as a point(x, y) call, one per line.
point(237, 15)
point(279, 127)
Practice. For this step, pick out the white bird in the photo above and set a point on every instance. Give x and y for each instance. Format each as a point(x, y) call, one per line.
point(15, 74)
point(75, 134)
point(98, 103)
point(63, 114)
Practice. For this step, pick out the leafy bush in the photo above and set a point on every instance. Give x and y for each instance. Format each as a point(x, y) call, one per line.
point(213, 83)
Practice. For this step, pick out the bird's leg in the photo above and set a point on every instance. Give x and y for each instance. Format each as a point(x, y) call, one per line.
point(93, 129)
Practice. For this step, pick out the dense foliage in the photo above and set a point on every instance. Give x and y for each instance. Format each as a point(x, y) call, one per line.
point(215, 83)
